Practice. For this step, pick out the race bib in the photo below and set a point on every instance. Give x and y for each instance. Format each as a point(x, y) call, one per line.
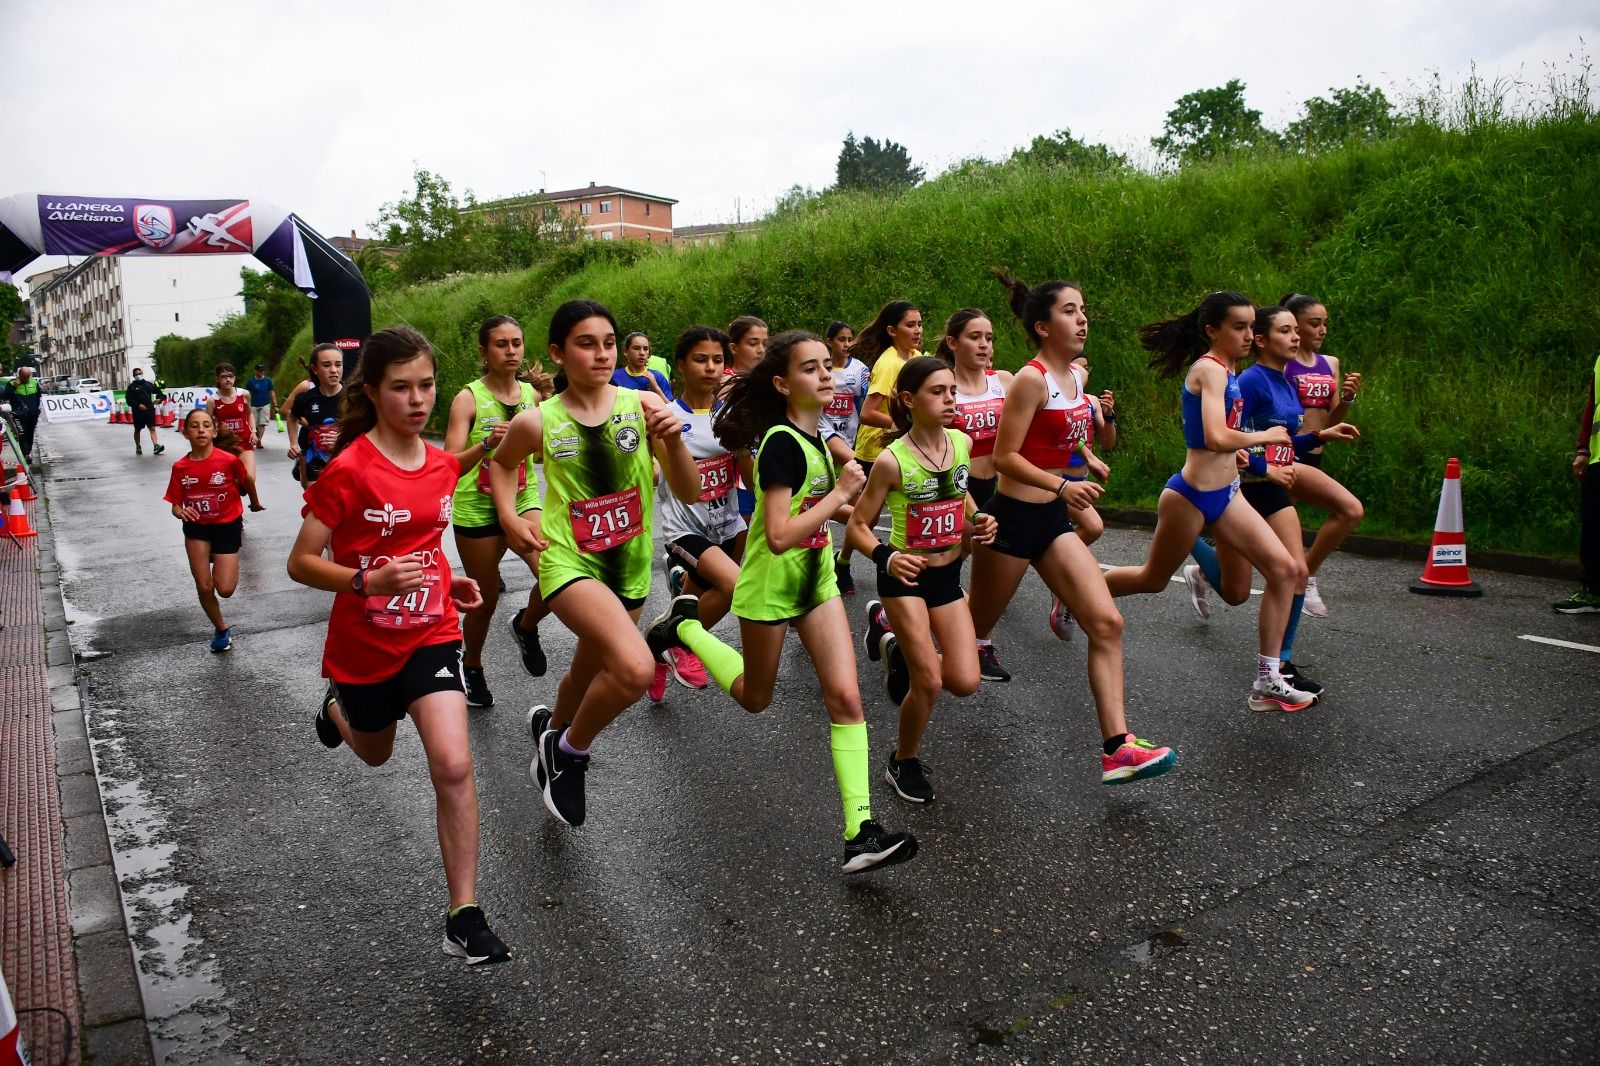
point(1080, 421)
point(483, 476)
point(717, 475)
point(206, 503)
point(1316, 390)
point(603, 522)
point(981, 420)
point(1236, 413)
point(935, 524)
point(417, 609)
point(841, 406)
point(326, 435)
point(819, 539)
point(1280, 454)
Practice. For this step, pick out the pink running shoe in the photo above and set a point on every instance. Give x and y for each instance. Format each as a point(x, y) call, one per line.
point(685, 667)
point(1060, 619)
point(1136, 760)
point(658, 684)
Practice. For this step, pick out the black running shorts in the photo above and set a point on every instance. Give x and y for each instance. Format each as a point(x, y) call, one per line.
point(373, 708)
point(1027, 529)
point(686, 552)
point(1268, 499)
point(981, 489)
point(224, 537)
point(936, 585)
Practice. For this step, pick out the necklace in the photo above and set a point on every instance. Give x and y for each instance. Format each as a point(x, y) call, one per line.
point(944, 453)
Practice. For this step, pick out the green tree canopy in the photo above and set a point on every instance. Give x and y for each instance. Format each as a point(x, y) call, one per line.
point(1062, 149)
point(1209, 123)
point(869, 165)
point(1360, 113)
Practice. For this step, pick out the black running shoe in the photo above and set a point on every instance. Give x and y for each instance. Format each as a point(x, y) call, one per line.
point(872, 847)
point(989, 667)
point(662, 634)
point(1296, 679)
point(896, 674)
point(563, 785)
point(533, 660)
point(467, 936)
point(910, 779)
point(327, 732)
point(158, 448)
point(538, 723)
point(841, 573)
point(877, 626)
point(478, 694)
point(138, 449)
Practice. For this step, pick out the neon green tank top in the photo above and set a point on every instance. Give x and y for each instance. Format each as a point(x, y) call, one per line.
point(928, 508)
point(473, 504)
point(774, 588)
point(598, 500)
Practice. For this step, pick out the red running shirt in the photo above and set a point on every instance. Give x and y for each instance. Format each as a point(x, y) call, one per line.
point(210, 485)
point(235, 414)
point(1060, 426)
point(378, 511)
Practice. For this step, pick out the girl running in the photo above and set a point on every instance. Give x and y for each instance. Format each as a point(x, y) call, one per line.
point(968, 348)
point(702, 537)
point(314, 414)
point(1031, 507)
point(636, 371)
point(883, 346)
point(1090, 431)
point(923, 477)
point(747, 335)
point(842, 418)
point(230, 410)
point(479, 417)
point(1326, 396)
point(204, 491)
point(593, 536)
point(786, 578)
point(1205, 345)
point(394, 640)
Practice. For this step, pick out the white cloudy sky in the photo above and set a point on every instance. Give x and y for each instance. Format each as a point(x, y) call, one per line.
point(325, 107)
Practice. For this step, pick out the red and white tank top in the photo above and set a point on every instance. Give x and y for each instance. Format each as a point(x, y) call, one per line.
point(235, 414)
point(978, 415)
point(1061, 426)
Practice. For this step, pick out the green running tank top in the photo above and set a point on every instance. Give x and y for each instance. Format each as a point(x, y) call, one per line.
point(928, 508)
point(473, 505)
point(774, 588)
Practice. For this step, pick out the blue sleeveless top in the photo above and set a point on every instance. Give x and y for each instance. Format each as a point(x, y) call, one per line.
point(1194, 431)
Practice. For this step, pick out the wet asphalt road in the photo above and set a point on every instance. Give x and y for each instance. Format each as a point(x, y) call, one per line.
point(1406, 872)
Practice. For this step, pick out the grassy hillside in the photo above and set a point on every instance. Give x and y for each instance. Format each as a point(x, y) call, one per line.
point(1461, 271)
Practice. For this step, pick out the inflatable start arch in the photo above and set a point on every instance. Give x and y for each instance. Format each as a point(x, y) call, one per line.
point(341, 307)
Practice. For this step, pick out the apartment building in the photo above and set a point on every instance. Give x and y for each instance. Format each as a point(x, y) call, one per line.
point(100, 318)
point(604, 212)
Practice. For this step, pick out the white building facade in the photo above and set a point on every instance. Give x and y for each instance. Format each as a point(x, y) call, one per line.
point(101, 318)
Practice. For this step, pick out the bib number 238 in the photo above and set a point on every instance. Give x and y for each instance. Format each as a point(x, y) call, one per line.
point(604, 522)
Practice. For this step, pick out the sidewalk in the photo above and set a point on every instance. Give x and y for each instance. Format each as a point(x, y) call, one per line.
point(62, 894)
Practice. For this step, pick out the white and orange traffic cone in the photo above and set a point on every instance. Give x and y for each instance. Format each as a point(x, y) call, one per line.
point(1445, 573)
point(17, 521)
point(24, 491)
point(12, 1052)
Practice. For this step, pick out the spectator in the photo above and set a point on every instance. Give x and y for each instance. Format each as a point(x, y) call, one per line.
point(263, 398)
point(23, 396)
point(142, 397)
point(1586, 599)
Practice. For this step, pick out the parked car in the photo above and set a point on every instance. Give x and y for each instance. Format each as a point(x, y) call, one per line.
point(88, 385)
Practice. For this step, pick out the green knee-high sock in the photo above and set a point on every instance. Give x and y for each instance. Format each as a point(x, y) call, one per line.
point(850, 767)
point(725, 664)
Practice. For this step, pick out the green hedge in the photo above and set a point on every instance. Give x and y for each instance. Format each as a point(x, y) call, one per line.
point(1459, 269)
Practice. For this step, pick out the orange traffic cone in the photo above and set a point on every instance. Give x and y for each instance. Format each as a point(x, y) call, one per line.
point(17, 522)
point(1445, 573)
point(24, 491)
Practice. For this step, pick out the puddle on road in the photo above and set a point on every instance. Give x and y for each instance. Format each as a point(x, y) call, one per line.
point(1167, 942)
point(183, 995)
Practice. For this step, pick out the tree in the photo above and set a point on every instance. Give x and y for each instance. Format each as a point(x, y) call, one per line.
point(434, 229)
point(1361, 113)
point(1062, 149)
point(11, 309)
point(1209, 123)
point(876, 167)
point(279, 307)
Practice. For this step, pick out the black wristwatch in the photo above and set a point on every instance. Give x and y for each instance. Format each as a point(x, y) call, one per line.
point(358, 581)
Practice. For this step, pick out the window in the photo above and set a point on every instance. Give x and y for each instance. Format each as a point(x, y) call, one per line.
point(608, 236)
point(174, 316)
point(583, 209)
point(605, 207)
point(647, 209)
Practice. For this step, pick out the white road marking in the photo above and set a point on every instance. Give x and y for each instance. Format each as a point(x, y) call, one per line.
point(1559, 643)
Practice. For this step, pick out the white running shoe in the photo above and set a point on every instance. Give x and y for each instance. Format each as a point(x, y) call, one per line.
point(1275, 694)
point(1314, 605)
point(1199, 591)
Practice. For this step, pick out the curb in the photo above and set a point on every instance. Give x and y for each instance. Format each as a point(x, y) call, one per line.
point(114, 1032)
point(1394, 548)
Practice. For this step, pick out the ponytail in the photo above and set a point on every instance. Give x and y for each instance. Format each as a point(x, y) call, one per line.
point(1176, 342)
point(952, 328)
point(1032, 305)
